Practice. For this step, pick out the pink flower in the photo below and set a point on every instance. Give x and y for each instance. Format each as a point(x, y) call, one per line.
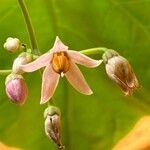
point(60, 61)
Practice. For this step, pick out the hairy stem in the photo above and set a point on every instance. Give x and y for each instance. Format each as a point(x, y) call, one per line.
point(29, 27)
point(5, 72)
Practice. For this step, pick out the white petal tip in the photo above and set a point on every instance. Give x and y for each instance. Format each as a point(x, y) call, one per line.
point(43, 101)
point(59, 45)
point(57, 38)
point(99, 62)
point(90, 92)
point(58, 41)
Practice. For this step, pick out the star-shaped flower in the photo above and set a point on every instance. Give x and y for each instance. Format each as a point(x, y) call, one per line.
point(61, 61)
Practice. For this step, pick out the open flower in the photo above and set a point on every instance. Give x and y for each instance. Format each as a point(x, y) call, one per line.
point(120, 71)
point(60, 61)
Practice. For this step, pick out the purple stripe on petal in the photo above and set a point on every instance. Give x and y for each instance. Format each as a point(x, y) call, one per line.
point(76, 79)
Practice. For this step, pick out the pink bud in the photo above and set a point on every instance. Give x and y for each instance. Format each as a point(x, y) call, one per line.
point(16, 88)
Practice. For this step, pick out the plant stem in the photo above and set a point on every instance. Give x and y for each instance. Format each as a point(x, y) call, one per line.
point(5, 72)
point(92, 51)
point(29, 27)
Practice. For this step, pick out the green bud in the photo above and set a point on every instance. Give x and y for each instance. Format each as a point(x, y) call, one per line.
point(109, 54)
point(51, 110)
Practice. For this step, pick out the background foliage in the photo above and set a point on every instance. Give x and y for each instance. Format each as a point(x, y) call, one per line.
point(88, 122)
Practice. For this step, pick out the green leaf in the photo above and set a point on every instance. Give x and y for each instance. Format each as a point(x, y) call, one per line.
point(88, 122)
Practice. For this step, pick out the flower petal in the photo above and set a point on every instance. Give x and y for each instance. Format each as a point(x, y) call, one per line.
point(49, 83)
point(40, 62)
point(76, 79)
point(82, 59)
point(59, 46)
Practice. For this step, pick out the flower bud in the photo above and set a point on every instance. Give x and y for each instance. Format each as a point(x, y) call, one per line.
point(22, 59)
point(120, 71)
point(12, 44)
point(16, 88)
point(52, 125)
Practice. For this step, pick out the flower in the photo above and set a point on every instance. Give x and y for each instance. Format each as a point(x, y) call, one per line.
point(120, 71)
point(52, 125)
point(16, 88)
point(60, 61)
point(12, 44)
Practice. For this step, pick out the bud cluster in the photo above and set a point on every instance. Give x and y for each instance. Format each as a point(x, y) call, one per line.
point(16, 88)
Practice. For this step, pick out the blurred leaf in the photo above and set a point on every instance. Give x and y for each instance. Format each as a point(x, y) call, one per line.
point(88, 122)
point(137, 138)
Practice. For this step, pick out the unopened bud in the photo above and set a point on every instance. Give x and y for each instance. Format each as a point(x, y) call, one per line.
point(120, 71)
point(22, 59)
point(16, 88)
point(52, 125)
point(12, 44)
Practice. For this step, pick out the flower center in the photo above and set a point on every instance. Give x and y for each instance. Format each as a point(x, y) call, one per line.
point(60, 62)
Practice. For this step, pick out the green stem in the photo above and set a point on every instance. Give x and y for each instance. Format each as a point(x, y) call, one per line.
point(92, 51)
point(5, 72)
point(29, 27)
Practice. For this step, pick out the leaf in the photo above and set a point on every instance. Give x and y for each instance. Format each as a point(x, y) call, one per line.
point(5, 147)
point(88, 122)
